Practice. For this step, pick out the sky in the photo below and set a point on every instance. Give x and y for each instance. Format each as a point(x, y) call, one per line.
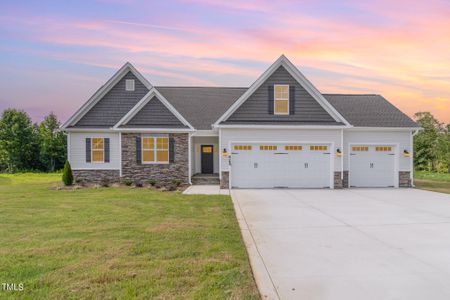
point(55, 54)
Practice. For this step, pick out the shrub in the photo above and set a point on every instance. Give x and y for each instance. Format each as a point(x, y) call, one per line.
point(128, 182)
point(138, 183)
point(152, 182)
point(104, 182)
point(79, 181)
point(67, 176)
point(157, 185)
point(176, 182)
point(171, 187)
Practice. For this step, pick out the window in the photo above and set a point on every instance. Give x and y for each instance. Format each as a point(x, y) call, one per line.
point(293, 148)
point(207, 149)
point(98, 150)
point(268, 148)
point(242, 147)
point(155, 149)
point(318, 148)
point(383, 148)
point(360, 148)
point(281, 99)
point(129, 85)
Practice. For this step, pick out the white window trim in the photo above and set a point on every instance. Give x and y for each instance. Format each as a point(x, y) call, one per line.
point(92, 150)
point(155, 149)
point(275, 99)
point(130, 85)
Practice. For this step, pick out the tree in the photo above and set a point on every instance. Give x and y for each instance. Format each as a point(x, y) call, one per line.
point(52, 144)
point(67, 176)
point(17, 140)
point(432, 144)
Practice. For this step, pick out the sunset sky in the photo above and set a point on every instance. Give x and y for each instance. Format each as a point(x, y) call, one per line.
point(55, 54)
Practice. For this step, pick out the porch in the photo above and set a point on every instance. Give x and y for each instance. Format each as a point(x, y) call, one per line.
point(205, 160)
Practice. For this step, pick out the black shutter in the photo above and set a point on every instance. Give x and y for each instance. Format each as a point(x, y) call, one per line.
point(292, 100)
point(270, 102)
point(171, 150)
point(106, 145)
point(138, 150)
point(88, 150)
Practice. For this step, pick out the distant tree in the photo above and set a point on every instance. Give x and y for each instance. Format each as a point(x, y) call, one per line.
point(52, 144)
point(16, 140)
point(67, 176)
point(432, 144)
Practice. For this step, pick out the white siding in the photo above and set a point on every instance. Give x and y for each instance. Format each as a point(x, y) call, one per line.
point(197, 142)
point(281, 135)
point(77, 151)
point(402, 138)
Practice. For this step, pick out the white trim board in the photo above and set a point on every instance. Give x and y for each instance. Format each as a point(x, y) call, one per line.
point(141, 104)
point(127, 67)
point(301, 79)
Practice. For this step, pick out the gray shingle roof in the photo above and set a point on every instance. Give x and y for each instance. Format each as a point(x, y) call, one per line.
point(369, 111)
point(201, 106)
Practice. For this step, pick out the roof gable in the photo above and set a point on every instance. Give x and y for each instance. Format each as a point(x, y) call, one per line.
point(111, 101)
point(154, 114)
point(153, 111)
point(306, 109)
point(286, 71)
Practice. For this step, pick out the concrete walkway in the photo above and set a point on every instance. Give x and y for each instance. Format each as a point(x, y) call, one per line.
point(347, 244)
point(205, 190)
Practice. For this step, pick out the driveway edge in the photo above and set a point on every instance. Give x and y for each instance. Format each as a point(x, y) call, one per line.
point(262, 277)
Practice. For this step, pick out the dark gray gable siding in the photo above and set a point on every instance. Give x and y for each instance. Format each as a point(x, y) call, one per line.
point(155, 115)
point(114, 105)
point(255, 108)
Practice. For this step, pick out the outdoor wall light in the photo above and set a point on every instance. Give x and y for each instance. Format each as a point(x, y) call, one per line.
point(406, 153)
point(224, 152)
point(338, 152)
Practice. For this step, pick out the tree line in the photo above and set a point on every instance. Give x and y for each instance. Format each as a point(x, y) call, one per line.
point(28, 146)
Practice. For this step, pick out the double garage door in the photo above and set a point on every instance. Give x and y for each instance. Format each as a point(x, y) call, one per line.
point(271, 165)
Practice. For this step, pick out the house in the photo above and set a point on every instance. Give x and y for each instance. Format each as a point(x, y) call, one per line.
point(279, 132)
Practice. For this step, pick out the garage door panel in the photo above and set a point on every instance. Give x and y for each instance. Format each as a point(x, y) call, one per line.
point(372, 168)
point(295, 167)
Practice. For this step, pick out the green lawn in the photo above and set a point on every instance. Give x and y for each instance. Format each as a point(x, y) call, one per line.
point(438, 182)
point(124, 243)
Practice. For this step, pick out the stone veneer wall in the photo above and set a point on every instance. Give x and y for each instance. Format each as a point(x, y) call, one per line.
point(162, 173)
point(404, 179)
point(340, 183)
point(97, 176)
point(225, 181)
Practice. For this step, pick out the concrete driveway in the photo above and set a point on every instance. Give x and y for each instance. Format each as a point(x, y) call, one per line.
point(347, 244)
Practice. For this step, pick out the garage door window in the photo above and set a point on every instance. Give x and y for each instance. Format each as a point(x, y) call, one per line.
point(242, 147)
point(293, 148)
point(318, 148)
point(383, 148)
point(360, 148)
point(268, 147)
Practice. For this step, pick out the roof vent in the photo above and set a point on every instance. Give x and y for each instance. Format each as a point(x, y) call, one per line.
point(129, 85)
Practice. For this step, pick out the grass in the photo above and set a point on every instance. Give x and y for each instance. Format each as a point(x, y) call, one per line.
point(437, 182)
point(118, 243)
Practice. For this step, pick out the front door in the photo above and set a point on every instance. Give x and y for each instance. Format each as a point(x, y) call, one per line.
point(207, 159)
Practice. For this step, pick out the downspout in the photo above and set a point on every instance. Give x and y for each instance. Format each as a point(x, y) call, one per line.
point(411, 175)
point(342, 157)
point(189, 158)
point(120, 149)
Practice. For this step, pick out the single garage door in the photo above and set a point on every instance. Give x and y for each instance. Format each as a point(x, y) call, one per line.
point(271, 165)
point(372, 166)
